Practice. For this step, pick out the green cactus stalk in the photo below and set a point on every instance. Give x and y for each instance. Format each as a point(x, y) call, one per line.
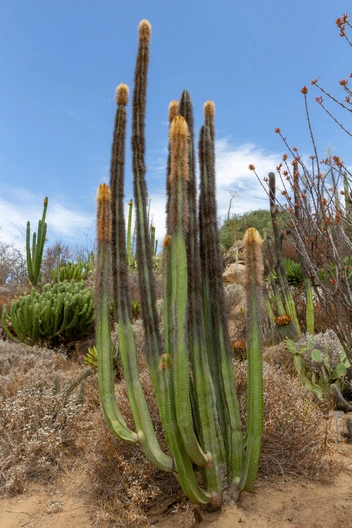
point(122, 304)
point(129, 233)
point(173, 112)
point(279, 265)
point(35, 255)
point(112, 413)
point(309, 306)
point(58, 266)
point(152, 239)
point(214, 304)
point(117, 177)
point(178, 225)
point(144, 254)
point(254, 291)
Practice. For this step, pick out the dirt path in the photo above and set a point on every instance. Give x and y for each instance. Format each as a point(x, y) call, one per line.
point(299, 505)
point(47, 506)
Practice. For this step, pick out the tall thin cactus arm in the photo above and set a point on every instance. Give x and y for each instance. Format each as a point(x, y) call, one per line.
point(173, 112)
point(144, 253)
point(145, 432)
point(129, 234)
point(280, 266)
point(214, 304)
point(117, 176)
point(254, 291)
point(35, 255)
point(111, 410)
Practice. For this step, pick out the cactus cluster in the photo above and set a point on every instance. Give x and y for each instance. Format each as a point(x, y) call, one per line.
point(76, 271)
point(64, 310)
point(35, 253)
point(191, 368)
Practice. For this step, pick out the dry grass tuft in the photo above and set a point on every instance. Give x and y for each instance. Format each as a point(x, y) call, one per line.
point(123, 482)
point(296, 429)
point(37, 423)
point(42, 431)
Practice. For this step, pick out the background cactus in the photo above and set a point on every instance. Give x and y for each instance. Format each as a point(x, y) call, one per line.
point(191, 370)
point(35, 254)
point(76, 271)
point(60, 311)
point(315, 369)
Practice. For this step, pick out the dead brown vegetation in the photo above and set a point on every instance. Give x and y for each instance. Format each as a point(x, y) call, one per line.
point(43, 430)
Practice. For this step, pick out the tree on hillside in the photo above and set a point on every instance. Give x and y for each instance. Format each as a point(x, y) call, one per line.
point(233, 228)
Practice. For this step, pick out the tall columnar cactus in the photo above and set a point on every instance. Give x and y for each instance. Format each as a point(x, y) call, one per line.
point(35, 255)
point(279, 264)
point(254, 290)
point(191, 370)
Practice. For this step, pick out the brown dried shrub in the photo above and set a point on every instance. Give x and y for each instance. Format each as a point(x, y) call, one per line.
point(128, 488)
point(124, 488)
point(296, 429)
point(37, 423)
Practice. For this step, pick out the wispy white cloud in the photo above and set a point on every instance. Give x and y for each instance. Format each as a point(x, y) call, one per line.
point(64, 223)
point(232, 176)
point(68, 223)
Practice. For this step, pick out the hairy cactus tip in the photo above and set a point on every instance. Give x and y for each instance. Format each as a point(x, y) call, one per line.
point(103, 213)
point(252, 243)
point(145, 30)
point(209, 109)
point(167, 241)
point(173, 110)
point(103, 193)
point(122, 94)
point(178, 128)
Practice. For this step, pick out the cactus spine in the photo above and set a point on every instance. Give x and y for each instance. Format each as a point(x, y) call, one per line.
point(35, 255)
point(191, 371)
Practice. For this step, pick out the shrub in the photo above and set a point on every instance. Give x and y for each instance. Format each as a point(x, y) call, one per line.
point(295, 428)
point(37, 425)
point(13, 269)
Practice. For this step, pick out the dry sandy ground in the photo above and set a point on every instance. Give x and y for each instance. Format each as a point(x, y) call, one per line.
point(297, 505)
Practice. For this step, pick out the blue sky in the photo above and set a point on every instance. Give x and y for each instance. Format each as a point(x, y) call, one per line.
point(61, 61)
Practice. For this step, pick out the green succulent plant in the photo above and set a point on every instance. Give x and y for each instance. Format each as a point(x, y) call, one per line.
point(320, 380)
point(34, 254)
point(76, 271)
point(293, 272)
point(62, 310)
